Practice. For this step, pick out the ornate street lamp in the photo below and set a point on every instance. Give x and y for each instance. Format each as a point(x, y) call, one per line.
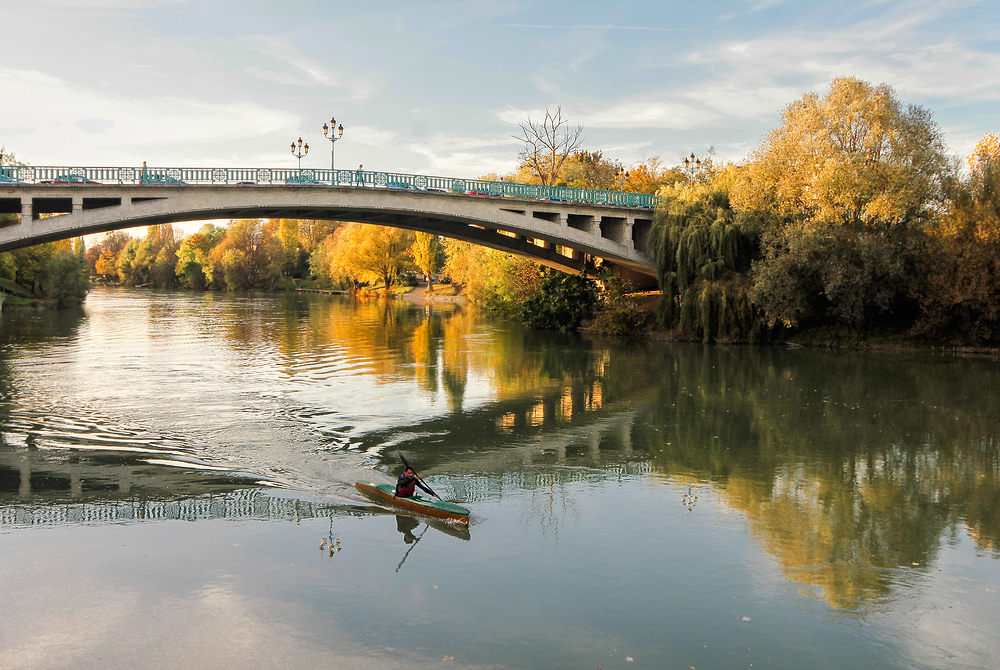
point(621, 176)
point(335, 133)
point(300, 151)
point(692, 166)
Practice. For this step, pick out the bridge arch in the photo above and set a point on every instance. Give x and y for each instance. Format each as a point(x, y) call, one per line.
point(557, 234)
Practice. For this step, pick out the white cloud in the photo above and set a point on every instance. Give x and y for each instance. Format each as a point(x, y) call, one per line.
point(302, 70)
point(745, 103)
point(634, 114)
point(50, 125)
point(649, 114)
point(467, 156)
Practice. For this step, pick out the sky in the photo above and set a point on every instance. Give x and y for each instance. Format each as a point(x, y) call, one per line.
point(438, 87)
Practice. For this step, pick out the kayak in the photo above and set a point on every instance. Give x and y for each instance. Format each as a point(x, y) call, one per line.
point(426, 506)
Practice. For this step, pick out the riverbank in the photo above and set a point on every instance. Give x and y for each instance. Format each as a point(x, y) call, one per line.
point(419, 295)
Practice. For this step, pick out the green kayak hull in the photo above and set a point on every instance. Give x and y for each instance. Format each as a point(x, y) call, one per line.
point(420, 505)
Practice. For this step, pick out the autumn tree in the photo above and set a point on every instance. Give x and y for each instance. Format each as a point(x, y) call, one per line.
point(853, 156)
point(429, 256)
point(492, 279)
point(650, 175)
point(373, 253)
point(961, 298)
point(193, 257)
point(844, 186)
point(985, 155)
point(546, 145)
point(248, 256)
point(589, 169)
point(312, 232)
point(103, 256)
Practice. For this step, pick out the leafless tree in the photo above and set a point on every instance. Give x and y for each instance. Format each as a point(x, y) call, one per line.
point(548, 144)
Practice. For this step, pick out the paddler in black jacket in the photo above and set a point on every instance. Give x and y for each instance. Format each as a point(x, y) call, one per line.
point(406, 483)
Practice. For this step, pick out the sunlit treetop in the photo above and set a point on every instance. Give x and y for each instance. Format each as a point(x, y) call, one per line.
point(986, 151)
point(853, 155)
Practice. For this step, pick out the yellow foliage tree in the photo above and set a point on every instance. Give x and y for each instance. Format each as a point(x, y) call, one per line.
point(494, 279)
point(372, 253)
point(854, 155)
point(987, 150)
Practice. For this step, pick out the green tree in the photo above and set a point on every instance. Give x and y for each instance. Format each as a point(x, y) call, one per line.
point(562, 303)
point(295, 258)
point(131, 271)
point(617, 313)
point(67, 278)
point(704, 252)
point(429, 256)
point(588, 169)
point(30, 263)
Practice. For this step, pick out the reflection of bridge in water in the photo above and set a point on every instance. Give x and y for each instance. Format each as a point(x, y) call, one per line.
point(66, 486)
point(240, 504)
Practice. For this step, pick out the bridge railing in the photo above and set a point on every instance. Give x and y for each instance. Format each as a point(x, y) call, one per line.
point(32, 174)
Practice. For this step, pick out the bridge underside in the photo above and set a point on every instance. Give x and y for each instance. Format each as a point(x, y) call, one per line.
point(566, 236)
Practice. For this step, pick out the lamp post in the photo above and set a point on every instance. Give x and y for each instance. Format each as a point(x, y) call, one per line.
point(692, 165)
point(335, 133)
point(621, 176)
point(300, 151)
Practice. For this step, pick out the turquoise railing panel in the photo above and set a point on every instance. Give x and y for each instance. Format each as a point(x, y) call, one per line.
point(179, 176)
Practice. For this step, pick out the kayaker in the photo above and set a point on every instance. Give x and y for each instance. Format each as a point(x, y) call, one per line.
point(406, 483)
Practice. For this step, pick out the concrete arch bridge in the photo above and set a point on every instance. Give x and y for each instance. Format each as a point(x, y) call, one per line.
point(559, 227)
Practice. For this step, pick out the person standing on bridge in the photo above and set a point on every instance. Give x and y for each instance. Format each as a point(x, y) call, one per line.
point(361, 175)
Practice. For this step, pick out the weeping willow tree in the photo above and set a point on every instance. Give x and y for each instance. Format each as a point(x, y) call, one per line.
point(704, 252)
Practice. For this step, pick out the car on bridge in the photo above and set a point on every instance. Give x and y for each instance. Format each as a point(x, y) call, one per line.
point(70, 179)
point(303, 180)
point(159, 179)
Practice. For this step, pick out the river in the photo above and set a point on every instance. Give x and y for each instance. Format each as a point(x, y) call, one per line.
point(177, 470)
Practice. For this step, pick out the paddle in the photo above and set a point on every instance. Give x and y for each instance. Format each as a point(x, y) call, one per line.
point(420, 483)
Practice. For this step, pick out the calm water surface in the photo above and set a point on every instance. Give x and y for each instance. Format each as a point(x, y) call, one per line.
point(177, 470)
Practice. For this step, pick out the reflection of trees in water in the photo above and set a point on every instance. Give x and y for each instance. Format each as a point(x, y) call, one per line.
point(27, 329)
point(439, 348)
point(846, 465)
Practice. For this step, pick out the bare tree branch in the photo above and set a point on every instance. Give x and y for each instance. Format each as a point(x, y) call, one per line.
point(546, 145)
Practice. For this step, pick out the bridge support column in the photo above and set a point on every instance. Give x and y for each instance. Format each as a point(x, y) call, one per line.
point(77, 204)
point(627, 236)
point(26, 211)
